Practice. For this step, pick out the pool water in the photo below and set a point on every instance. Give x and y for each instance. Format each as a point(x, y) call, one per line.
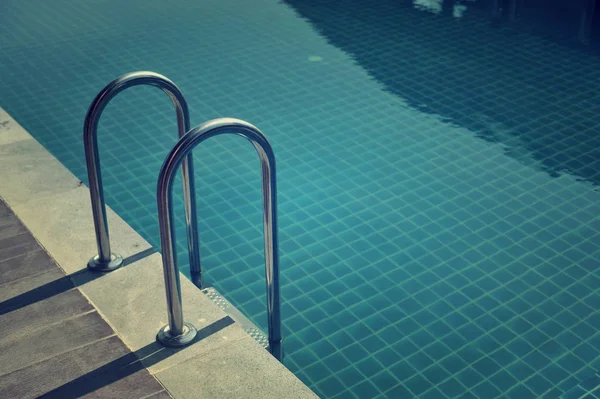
point(438, 173)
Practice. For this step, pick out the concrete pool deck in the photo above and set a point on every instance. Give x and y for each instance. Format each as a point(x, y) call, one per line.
point(47, 324)
point(223, 362)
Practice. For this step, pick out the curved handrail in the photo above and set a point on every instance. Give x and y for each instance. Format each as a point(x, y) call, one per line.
point(105, 260)
point(179, 333)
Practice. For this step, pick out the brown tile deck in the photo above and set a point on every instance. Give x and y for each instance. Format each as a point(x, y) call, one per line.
point(53, 342)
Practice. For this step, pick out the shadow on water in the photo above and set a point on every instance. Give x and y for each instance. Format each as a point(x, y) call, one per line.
point(488, 66)
point(63, 284)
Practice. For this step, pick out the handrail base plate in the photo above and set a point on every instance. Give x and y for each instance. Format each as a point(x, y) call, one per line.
point(96, 265)
point(165, 338)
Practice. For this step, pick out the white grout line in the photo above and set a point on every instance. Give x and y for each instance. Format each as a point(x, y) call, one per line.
point(56, 209)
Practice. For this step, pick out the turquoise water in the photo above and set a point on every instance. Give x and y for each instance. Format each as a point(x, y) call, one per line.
point(438, 174)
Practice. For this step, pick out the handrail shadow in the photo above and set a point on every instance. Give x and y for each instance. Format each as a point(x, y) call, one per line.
point(63, 284)
point(128, 364)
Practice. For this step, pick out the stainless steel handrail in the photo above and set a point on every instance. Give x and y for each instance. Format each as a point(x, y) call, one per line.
point(105, 260)
point(177, 332)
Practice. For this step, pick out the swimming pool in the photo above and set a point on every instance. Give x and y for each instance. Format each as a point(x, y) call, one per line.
point(437, 175)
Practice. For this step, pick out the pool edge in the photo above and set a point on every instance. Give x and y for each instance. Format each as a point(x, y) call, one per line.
point(55, 206)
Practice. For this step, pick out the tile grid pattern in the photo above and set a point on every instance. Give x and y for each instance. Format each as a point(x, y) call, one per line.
point(587, 389)
point(422, 256)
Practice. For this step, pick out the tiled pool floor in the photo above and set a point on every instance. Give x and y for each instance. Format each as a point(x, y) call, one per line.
point(437, 175)
point(586, 389)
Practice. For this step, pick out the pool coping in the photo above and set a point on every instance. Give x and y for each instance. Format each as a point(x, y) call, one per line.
point(46, 322)
point(224, 361)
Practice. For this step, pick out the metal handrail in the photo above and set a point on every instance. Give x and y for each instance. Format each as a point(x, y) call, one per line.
point(177, 332)
point(105, 260)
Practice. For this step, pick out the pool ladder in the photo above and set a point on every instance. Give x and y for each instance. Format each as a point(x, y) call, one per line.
point(179, 333)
